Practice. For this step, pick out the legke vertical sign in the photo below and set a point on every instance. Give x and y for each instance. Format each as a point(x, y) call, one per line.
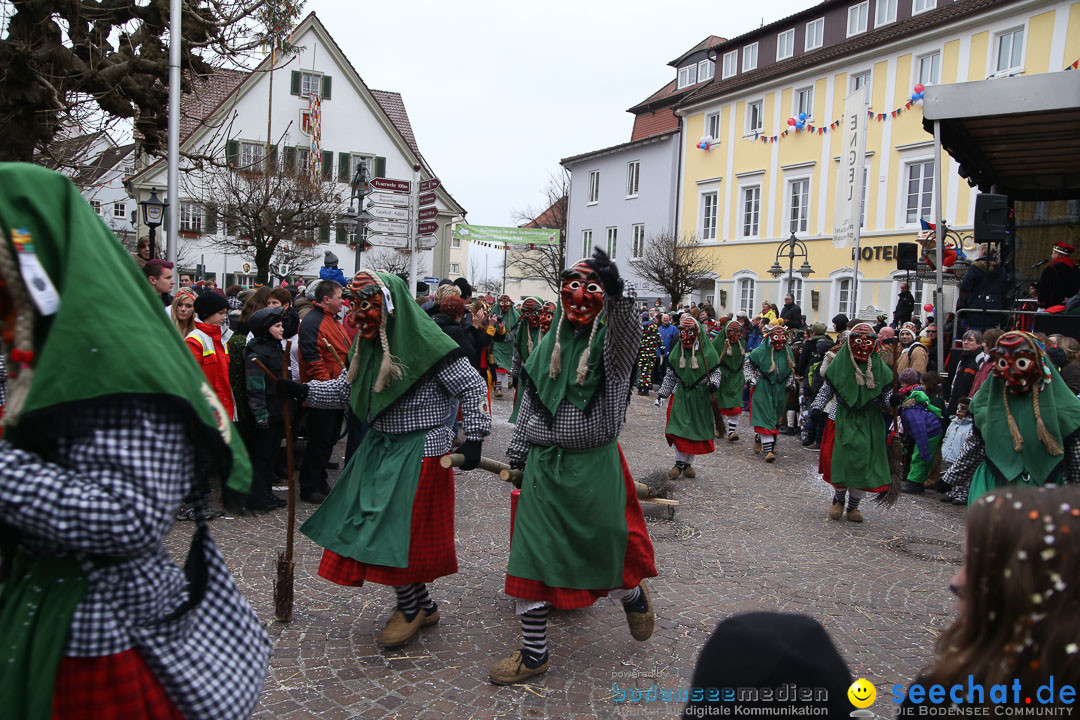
point(847, 217)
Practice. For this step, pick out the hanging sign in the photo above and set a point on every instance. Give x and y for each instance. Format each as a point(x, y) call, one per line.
point(847, 217)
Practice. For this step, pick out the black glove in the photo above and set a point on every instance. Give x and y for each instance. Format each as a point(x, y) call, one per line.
point(292, 389)
point(895, 400)
point(471, 450)
point(608, 273)
point(516, 464)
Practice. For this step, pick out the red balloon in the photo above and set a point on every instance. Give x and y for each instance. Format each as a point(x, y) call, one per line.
point(791, 121)
point(928, 307)
point(919, 88)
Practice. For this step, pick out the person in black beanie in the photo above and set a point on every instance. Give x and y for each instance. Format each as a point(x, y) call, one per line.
point(773, 651)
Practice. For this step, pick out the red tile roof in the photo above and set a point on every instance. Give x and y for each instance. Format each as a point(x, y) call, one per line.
point(552, 218)
point(207, 94)
point(709, 42)
point(394, 107)
point(655, 123)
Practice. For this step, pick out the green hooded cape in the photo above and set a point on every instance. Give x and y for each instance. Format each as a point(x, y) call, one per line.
point(504, 351)
point(770, 394)
point(417, 343)
point(110, 335)
point(732, 380)
point(553, 391)
point(860, 456)
point(691, 410)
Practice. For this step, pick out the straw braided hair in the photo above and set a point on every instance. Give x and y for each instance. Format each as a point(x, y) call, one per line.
point(583, 361)
point(727, 342)
point(1048, 441)
point(389, 367)
point(18, 384)
point(862, 377)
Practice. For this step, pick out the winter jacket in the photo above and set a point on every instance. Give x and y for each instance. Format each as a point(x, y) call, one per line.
point(962, 378)
point(1070, 373)
point(955, 437)
point(458, 334)
point(668, 335)
point(213, 357)
point(813, 351)
point(920, 423)
point(317, 360)
point(792, 316)
point(914, 356)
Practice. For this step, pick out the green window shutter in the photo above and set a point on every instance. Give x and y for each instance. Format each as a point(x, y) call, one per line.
point(380, 167)
point(327, 165)
point(325, 87)
point(324, 233)
point(343, 160)
point(290, 158)
point(210, 224)
point(295, 88)
point(342, 235)
point(232, 153)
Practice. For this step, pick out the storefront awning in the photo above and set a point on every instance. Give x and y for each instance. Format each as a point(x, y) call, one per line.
point(1017, 136)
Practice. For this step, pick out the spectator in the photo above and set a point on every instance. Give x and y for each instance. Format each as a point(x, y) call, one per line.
point(791, 313)
point(881, 324)
point(323, 347)
point(963, 374)
point(668, 333)
point(931, 343)
point(757, 330)
point(767, 312)
point(840, 322)
point(183, 311)
point(1061, 279)
point(1070, 371)
point(290, 326)
point(185, 280)
point(912, 354)
point(159, 273)
point(431, 307)
point(205, 344)
point(989, 342)
point(142, 251)
point(983, 288)
point(960, 426)
point(330, 270)
point(905, 306)
point(265, 403)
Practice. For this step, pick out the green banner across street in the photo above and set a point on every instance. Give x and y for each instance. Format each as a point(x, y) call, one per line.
point(509, 235)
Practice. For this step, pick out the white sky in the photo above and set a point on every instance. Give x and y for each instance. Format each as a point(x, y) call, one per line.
point(499, 91)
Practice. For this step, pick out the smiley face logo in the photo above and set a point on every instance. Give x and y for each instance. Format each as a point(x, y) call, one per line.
point(861, 693)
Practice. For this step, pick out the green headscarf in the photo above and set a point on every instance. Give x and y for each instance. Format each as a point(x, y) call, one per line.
point(733, 361)
point(572, 343)
point(416, 345)
point(841, 375)
point(704, 356)
point(525, 332)
point(764, 358)
point(110, 335)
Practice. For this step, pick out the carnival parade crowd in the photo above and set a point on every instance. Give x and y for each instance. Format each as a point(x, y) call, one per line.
point(111, 434)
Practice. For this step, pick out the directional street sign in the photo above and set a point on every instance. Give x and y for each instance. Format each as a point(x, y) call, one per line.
point(426, 242)
point(391, 213)
point(427, 199)
point(389, 226)
point(426, 228)
point(394, 241)
point(426, 213)
point(390, 198)
point(401, 186)
point(426, 185)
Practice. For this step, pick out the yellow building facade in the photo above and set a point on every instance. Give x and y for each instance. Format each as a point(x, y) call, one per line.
point(755, 186)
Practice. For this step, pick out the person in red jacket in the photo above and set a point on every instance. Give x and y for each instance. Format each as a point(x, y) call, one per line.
point(205, 344)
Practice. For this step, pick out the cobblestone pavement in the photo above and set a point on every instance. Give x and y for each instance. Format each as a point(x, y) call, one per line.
point(747, 536)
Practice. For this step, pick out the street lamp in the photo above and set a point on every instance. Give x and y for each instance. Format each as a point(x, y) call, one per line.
point(355, 219)
point(153, 213)
point(791, 248)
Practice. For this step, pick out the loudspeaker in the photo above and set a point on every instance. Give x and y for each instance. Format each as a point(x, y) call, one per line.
point(991, 217)
point(907, 256)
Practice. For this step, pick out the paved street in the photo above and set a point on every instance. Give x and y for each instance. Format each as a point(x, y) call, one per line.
point(747, 536)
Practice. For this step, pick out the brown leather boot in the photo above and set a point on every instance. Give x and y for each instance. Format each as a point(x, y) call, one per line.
point(642, 623)
point(399, 631)
point(688, 471)
point(836, 511)
point(516, 668)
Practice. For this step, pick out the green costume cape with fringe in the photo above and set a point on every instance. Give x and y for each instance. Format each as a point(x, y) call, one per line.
point(573, 341)
point(769, 396)
point(860, 456)
point(732, 380)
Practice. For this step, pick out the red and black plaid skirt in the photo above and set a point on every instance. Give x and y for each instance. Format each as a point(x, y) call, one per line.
point(824, 463)
point(690, 447)
point(431, 541)
point(638, 563)
point(110, 687)
point(730, 412)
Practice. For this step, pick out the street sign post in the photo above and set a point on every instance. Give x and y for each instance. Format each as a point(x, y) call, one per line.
point(391, 199)
point(426, 228)
point(432, 184)
point(393, 227)
point(427, 199)
point(427, 213)
point(426, 242)
point(392, 241)
point(389, 213)
point(401, 186)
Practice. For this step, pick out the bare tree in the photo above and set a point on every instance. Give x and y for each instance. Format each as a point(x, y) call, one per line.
point(393, 261)
point(676, 266)
point(544, 262)
point(270, 213)
point(474, 269)
point(491, 285)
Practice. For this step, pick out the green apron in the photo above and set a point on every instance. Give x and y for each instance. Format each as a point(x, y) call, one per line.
point(732, 383)
point(984, 480)
point(860, 456)
point(36, 606)
point(368, 514)
point(570, 528)
point(767, 403)
point(691, 415)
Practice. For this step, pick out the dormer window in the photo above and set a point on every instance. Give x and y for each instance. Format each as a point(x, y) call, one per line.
point(687, 76)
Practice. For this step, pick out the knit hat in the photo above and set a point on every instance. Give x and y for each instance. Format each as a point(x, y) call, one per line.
point(209, 303)
point(330, 260)
point(910, 376)
point(817, 329)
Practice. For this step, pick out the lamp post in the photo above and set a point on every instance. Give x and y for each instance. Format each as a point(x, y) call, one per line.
point(791, 248)
point(153, 213)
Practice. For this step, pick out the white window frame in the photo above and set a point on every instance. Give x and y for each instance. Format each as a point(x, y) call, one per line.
point(750, 130)
point(995, 55)
point(742, 280)
point(612, 242)
point(355, 159)
point(637, 243)
point(798, 283)
point(889, 6)
point(191, 217)
point(586, 243)
point(455, 268)
point(868, 74)
point(801, 224)
point(708, 216)
point(749, 57)
point(861, 13)
point(304, 80)
point(731, 64)
point(633, 178)
point(918, 67)
point(712, 125)
point(918, 7)
point(455, 241)
point(705, 70)
point(818, 33)
point(594, 187)
point(98, 208)
point(797, 96)
point(837, 288)
point(785, 38)
point(687, 76)
point(123, 209)
point(742, 214)
point(251, 155)
point(905, 179)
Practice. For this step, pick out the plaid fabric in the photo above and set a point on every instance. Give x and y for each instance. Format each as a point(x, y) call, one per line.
point(973, 455)
point(638, 562)
point(690, 447)
point(425, 407)
point(113, 687)
point(3, 382)
point(431, 542)
point(603, 418)
point(111, 486)
point(827, 393)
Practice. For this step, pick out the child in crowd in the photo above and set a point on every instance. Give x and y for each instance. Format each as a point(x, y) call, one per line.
point(959, 429)
point(921, 418)
point(265, 403)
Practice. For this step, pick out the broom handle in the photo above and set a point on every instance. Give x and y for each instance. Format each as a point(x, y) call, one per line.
point(334, 352)
point(286, 416)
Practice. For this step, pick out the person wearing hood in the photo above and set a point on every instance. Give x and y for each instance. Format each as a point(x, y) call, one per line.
point(266, 403)
point(695, 368)
point(96, 457)
point(728, 398)
point(210, 353)
point(770, 372)
point(913, 354)
point(527, 335)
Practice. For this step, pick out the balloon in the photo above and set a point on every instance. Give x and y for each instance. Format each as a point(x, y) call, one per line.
point(791, 121)
point(802, 116)
point(928, 307)
point(799, 125)
point(919, 88)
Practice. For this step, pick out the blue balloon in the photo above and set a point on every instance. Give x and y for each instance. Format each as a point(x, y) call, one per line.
point(802, 116)
point(799, 125)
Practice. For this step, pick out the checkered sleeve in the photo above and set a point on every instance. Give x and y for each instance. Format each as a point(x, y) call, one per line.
point(1072, 459)
point(971, 457)
point(714, 377)
point(3, 381)
point(623, 338)
point(825, 394)
point(462, 381)
point(750, 371)
point(329, 394)
point(668, 386)
point(519, 445)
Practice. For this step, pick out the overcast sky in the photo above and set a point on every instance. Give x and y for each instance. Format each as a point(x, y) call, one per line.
point(499, 91)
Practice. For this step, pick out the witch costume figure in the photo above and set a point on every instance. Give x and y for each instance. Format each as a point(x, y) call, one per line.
point(579, 533)
point(390, 517)
point(1024, 424)
point(854, 452)
point(693, 374)
point(768, 370)
point(728, 397)
point(98, 452)
point(502, 350)
point(526, 338)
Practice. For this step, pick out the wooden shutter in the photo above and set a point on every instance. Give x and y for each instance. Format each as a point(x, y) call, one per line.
point(380, 167)
point(324, 233)
point(232, 153)
point(327, 165)
point(210, 220)
point(325, 87)
point(343, 167)
point(295, 88)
